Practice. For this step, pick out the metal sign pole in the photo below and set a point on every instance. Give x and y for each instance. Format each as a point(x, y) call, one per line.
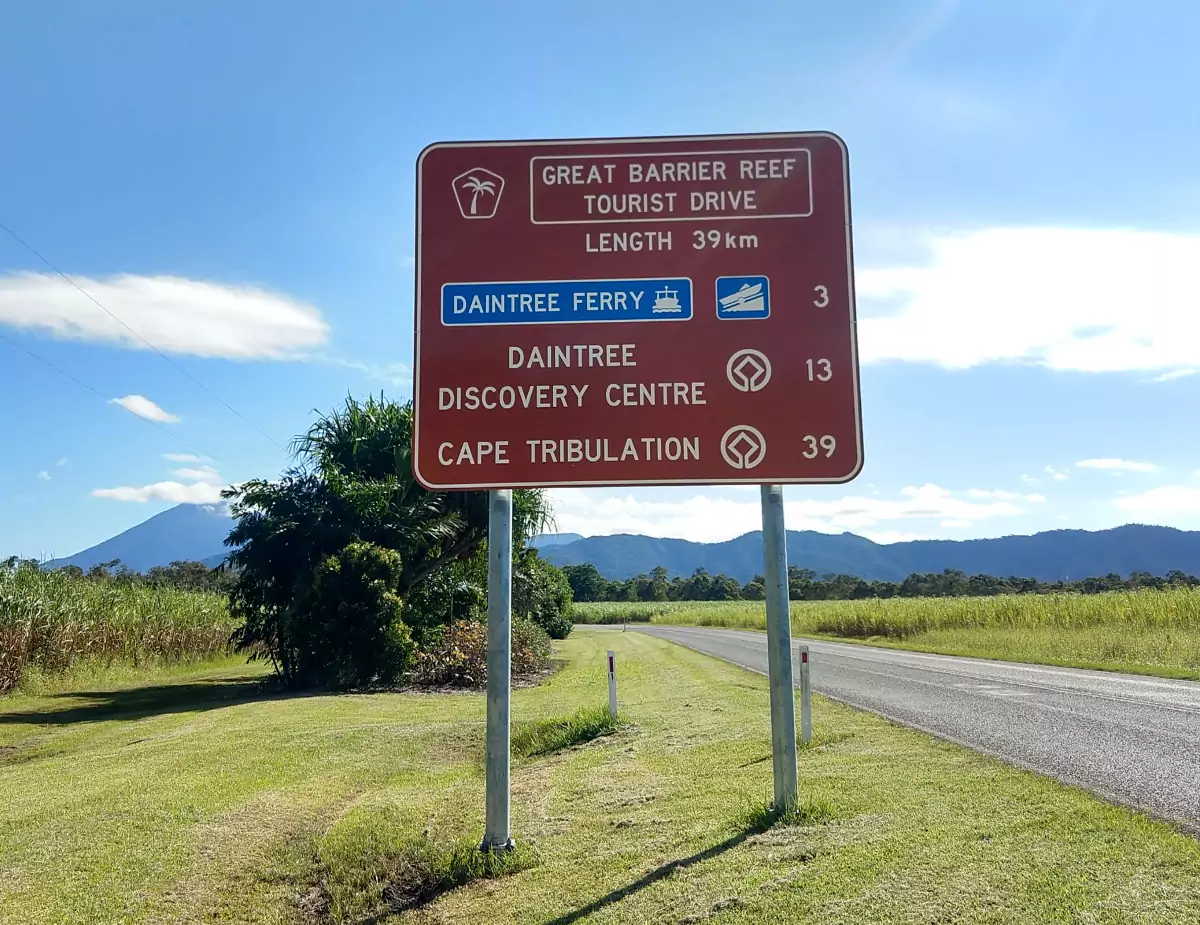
point(499, 668)
point(779, 646)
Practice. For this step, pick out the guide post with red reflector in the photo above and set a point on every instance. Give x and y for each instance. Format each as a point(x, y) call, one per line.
point(612, 685)
point(805, 699)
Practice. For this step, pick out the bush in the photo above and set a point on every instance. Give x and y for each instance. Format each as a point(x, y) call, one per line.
point(457, 591)
point(456, 654)
point(351, 633)
point(542, 593)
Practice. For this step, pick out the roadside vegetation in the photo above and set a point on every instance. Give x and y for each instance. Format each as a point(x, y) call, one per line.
point(657, 586)
point(52, 623)
point(344, 573)
point(1145, 631)
point(203, 798)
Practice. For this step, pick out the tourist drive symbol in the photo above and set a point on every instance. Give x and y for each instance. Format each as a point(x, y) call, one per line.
point(478, 192)
point(743, 297)
point(748, 370)
point(743, 446)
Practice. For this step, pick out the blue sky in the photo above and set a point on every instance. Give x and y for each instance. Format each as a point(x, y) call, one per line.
point(235, 182)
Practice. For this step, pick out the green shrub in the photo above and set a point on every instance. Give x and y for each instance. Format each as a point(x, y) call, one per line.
point(542, 593)
point(351, 633)
point(455, 655)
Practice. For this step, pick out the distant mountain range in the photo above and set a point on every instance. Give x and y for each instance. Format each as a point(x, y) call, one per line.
point(189, 532)
point(546, 540)
point(1051, 556)
point(197, 532)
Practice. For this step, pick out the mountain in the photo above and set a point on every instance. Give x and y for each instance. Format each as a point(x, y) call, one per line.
point(197, 532)
point(542, 540)
point(187, 532)
point(1049, 556)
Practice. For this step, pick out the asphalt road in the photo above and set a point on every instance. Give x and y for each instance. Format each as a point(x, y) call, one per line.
point(1128, 738)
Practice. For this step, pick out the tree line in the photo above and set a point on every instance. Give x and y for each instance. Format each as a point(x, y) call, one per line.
point(587, 584)
point(181, 575)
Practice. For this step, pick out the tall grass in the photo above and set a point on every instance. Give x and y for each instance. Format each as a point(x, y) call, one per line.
point(1147, 630)
point(52, 622)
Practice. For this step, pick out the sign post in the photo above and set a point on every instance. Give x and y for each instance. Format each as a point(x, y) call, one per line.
point(637, 311)
point(499, 671)
point(779, 646)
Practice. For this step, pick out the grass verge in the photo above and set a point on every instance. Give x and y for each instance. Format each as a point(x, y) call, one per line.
point(542, 737)
point(209, 799)
point(1143, 632)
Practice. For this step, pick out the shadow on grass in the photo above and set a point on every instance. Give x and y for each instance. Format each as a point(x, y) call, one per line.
point(140, 702)
point(654, 876)
point(757, 820)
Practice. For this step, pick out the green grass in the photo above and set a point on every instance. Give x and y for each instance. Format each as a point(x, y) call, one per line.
point(765, 815)
point(1147, 632)
point(542, 737)
point(204, 798)
point(378, 866)
point(52, 623)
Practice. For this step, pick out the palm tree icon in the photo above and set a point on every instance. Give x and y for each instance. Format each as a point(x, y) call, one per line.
point(477, 186)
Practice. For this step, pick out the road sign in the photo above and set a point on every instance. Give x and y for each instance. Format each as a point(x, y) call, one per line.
point(635, 311)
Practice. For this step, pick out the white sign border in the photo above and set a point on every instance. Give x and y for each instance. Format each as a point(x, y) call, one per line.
point(612, 483)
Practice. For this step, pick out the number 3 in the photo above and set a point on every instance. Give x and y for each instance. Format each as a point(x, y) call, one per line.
point(823, 296)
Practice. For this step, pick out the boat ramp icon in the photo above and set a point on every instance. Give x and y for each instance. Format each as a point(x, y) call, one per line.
point(666, 301)
point(743, 297)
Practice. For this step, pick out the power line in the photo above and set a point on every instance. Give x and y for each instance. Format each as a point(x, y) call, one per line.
point(95, 391)
point(29, 247)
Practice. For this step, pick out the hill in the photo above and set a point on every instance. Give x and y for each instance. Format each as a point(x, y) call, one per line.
point(192, 532)
point(542, 540)
point(197, 532)
point(1050, 556)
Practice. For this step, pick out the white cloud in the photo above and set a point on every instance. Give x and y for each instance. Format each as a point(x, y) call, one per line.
point(1177, 374)
point(1169, 500)
point(176, 314)
point(175, 492)
point(201, 474)
point(1001, 495)
point(1029, 480)
point(710, 519)
point(182, 458)
point(202, 485)
point(44, 476)
point(398, 374)
point(955, 523)
point(1123, 465)
point(997, 493)
point(1057, 474)
point(1091, 300)
point(62, 462)
point(145, 408)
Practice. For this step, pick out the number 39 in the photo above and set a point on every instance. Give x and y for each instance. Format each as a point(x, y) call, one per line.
point(815, 445)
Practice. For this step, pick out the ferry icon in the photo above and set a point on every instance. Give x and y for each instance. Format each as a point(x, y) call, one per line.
point(743, 297)
point(666, 300)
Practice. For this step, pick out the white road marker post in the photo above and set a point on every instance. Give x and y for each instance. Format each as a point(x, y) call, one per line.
point(805, 699)
point(779, 647)
point(496, 836)
point(612, 685)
